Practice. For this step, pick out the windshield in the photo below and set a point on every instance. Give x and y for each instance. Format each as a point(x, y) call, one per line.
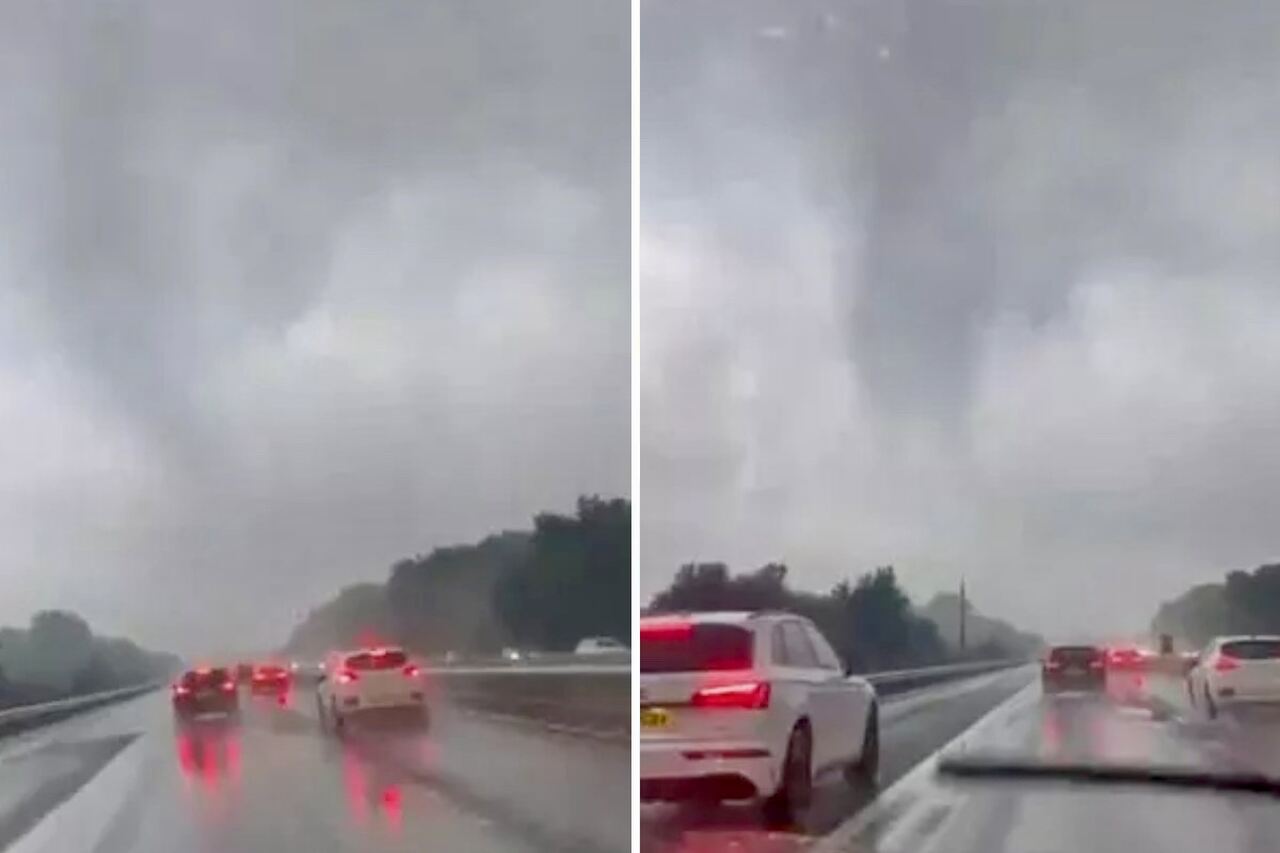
point(960, 328)
point(205, 678)
point(376, 660)
point(694, 648)
point(1252, 649)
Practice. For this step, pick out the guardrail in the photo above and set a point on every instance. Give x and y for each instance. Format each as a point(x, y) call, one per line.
point(592, 698)
point(899, 681)
point(23, 717)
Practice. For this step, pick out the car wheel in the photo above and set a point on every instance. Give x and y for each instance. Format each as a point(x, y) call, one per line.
point(1210, 708)
point(788, 803)
point(339, 724)
point(867, 767)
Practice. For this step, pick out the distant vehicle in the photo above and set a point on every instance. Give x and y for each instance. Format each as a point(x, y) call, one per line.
point(511, 654)
point(740, 706)
point(1235, 671)
point(205, 690)
point(365, 680)
point(599, 646)
point(1073, 668)
point(270, 678)
point(450, 657)
point(1126, 658)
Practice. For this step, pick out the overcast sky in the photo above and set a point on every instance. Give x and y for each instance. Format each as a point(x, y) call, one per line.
point(289, 291)
point(979, 288)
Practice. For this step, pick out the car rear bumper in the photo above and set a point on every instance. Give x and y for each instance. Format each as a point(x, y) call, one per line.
point(1064, 683)
point(356, 703)
point(193, 708)
point(686, 769)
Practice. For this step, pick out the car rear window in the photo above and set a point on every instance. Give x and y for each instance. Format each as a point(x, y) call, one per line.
point(694, 648)
point(389, 659)
point(1074, 654)
point(205, 678)
point(1252, 649)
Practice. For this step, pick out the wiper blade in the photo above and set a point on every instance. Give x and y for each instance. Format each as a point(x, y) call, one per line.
point(1169, 776)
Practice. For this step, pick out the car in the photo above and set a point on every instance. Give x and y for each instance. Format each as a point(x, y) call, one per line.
point(1235, 671)
point(599, 646)
point(1073, 668)
point(244, 672)
point(270, 678)
point(510, 654)
point(205, 690)
point(1126, 659)
point(749, 706)
point(361, 681)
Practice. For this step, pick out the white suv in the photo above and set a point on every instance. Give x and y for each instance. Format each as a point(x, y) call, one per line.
point(736, 706)
point(368, 679)
point(1233, 670)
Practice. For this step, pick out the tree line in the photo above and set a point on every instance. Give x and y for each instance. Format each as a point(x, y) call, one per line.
point(546, 588)
point(58, 656)
point(871, 622)
point(1242, 603)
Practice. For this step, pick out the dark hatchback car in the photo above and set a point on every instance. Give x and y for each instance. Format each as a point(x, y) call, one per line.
point(207, 690)
point(1071, 668)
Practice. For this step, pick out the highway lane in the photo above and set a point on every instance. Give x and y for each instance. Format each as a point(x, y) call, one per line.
point(127, 778)
point(1140, 721)
point(913, 725)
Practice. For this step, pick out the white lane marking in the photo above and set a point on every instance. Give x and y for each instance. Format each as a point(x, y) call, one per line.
point(79, 822)
point(910, 800)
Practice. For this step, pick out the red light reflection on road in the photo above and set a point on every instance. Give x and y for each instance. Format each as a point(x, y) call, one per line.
point(368, 794)
point(210, 763)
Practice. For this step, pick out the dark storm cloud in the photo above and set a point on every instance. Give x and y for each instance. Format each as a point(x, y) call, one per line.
point(996, 282)
point(307, 288)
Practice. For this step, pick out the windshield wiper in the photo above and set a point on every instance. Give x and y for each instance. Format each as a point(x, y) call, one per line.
point(1169, 776)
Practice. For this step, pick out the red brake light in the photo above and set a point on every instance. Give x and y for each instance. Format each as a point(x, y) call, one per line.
point(346, 676)
point(228, 685)
point(749, 694)
point(1226, 663)
point(411, 671)
point(1053, 664)
point(181, 690)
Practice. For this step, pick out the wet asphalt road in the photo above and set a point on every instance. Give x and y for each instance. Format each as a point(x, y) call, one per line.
point(127, 778)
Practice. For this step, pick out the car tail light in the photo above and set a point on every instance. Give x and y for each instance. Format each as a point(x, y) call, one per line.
point(411, 671)
point(181, 690)
point(346, 676)
point(1226, 663)
point(1095, 663)
point(748, 694)
point(1053, 664)
point(228, 685)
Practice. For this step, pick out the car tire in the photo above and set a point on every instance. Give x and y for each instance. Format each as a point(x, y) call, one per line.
point(866, 769)
point(785, 807)
point(336, 719)
point(1209, 707)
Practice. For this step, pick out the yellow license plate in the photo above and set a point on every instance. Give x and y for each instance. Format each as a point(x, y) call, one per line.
point(654, 718)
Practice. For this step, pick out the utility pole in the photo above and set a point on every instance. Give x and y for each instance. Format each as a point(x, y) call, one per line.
point(963, 608)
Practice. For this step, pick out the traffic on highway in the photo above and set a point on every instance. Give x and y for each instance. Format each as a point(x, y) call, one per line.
point(1116, 745)
point(210, 764)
